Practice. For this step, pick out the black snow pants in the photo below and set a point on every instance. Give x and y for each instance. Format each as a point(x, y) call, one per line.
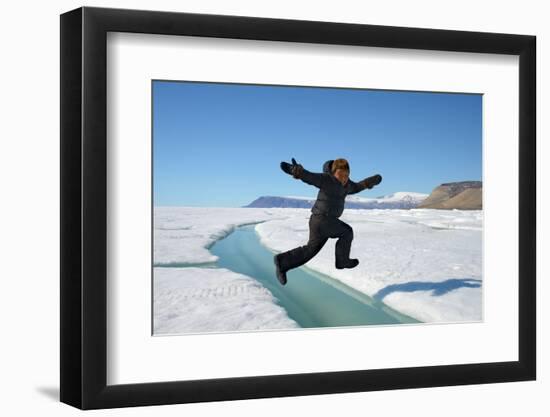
point(321, 228)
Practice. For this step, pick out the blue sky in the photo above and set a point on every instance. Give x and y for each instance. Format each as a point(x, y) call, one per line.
point(220, 145)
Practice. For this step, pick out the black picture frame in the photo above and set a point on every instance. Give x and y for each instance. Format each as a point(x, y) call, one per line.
point(83, 152)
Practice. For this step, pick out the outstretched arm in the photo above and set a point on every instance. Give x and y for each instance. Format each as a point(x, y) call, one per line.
point(299, 172)
point(311, 178)
point(355, 187)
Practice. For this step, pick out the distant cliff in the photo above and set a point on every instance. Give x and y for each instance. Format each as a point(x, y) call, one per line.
point(465, 195)
point(285, 202)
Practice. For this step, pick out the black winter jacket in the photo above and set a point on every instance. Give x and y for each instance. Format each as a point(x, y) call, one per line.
point(332, 194)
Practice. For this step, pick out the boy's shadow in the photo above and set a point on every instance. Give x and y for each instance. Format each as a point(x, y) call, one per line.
point(437, 288)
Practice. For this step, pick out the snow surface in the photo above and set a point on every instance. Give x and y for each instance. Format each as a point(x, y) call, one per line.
point(184, 234)
point(189, 296)
point(425, 263)
point(188, 300)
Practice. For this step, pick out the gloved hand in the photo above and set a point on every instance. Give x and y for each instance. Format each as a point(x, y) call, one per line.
point(372, 181)
point(293, 169)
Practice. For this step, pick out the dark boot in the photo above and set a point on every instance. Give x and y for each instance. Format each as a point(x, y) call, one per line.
point(281, 274)
point(350, 263)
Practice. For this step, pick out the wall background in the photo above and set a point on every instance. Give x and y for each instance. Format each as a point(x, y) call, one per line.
point(29, 217)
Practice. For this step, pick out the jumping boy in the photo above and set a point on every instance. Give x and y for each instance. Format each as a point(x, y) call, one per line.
point(334, 184)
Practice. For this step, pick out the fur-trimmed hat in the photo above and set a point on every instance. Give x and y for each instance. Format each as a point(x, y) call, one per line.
point(340, 163)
